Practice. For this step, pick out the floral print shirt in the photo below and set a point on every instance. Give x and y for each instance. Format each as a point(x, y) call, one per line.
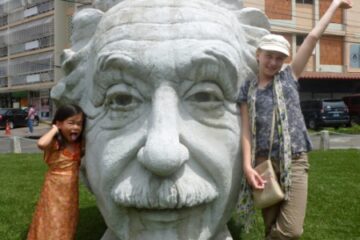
point(300, 140)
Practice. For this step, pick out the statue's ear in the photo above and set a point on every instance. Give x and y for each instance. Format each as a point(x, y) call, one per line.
point(68, 62)
point(84, 26)
point(69, 87)
point(105, 5)
point(253, 17)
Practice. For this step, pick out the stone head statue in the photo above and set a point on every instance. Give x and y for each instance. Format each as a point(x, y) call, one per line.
point(158, 80)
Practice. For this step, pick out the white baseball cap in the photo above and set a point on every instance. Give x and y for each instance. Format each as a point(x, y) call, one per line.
point(274, 42)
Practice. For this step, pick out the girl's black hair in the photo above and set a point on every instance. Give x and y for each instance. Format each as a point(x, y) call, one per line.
point(62, 113)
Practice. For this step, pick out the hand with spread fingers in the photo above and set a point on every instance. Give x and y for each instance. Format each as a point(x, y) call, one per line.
point(345, 4)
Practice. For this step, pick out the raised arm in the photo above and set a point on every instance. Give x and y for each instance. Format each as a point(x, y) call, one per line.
point(46, 139)
point(303, 54)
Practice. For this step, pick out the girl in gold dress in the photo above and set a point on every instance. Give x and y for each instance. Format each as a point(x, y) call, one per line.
point(57, 211)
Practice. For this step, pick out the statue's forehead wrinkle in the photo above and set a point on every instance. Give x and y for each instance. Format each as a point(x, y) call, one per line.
point(165, 15)
point(228, 4)
point(168, 22)
point(136, 34)
point(133, 4)
point(183, 52)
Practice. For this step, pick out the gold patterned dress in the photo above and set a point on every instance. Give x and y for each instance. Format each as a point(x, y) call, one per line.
point(57, 211)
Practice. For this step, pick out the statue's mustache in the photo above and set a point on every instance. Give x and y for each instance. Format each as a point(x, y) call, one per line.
point(145, 191)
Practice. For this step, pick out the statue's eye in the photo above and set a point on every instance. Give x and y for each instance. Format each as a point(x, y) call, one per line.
point(123, 98)
point(203, 97)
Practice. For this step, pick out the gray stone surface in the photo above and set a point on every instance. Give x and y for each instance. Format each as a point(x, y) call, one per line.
point(158, 80)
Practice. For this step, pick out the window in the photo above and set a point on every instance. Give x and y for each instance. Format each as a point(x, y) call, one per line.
point(355, 55)
point(305, 1)
point(300, 39)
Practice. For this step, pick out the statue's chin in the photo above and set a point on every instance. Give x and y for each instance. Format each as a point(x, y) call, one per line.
point(181, 224)
point(161, 232)
point(158, 234)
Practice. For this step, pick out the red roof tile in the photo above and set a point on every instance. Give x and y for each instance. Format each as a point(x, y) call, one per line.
point(330, 75)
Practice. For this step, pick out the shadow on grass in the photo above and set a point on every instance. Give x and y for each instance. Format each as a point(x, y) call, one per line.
point(91, 224)
point(234, 229)
point(24, 234)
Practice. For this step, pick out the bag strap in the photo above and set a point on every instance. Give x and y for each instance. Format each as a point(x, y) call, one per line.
point(271, 140)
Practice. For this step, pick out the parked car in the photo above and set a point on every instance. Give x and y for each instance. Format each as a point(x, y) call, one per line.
point(325, 113)
point(16, 117)
point(353, 103)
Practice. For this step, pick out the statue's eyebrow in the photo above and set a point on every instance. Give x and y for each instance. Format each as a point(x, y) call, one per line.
point(124, 67)
point(213, 56)
point(114, 68)
point(118, 61)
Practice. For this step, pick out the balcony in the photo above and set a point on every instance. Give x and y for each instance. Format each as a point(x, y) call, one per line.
point(3, 74)
point(30, 10)
point(31, 69)
point(30, 36)
point(3, 20)
point(27, 79)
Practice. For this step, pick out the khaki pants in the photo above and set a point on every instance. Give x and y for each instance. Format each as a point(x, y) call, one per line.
point(285, 220)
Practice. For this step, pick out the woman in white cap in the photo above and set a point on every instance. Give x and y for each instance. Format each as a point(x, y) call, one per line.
point(275, 91)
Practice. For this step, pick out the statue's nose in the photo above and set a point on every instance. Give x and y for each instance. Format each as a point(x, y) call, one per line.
point(163, 154)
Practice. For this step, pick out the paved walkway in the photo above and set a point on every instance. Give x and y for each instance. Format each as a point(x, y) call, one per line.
point(20, 140)
point(24, 131)
point(338, 141)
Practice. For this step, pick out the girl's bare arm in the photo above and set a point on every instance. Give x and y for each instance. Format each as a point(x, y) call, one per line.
point(253, 178)
point(46, 139)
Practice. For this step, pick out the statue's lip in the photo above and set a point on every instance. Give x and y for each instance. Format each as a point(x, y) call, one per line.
point(167, 216)
point(162, 215)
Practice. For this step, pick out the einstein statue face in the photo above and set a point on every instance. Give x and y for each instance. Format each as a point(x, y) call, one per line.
point(158, 81)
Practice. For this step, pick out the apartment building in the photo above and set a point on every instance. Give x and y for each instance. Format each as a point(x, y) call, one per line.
point(333, 71)
point(29, 51)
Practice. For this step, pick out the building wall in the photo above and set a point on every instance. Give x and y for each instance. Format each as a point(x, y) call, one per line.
point(352, 38)
point(292, 19)
point(304, 18)
point(260, 4)
point(33, 34)
point(332, 50)
point(278, 9)
point(338, 51)
point(324, 4)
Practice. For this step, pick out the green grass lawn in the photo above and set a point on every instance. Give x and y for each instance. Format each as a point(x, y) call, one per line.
point(21, 177)
point(333, 210)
